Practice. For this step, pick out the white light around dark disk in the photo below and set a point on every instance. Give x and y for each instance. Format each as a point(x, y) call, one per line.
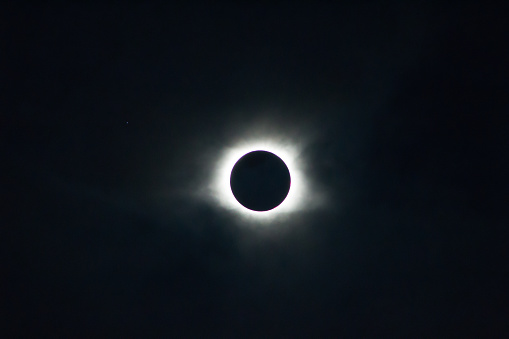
point(287, 152)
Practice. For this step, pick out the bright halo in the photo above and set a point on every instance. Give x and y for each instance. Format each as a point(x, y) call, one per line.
point(287, 152)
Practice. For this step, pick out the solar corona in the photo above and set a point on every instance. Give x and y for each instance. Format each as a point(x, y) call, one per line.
point(254, 159)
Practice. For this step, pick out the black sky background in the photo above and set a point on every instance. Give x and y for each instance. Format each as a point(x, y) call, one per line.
point(403, 110)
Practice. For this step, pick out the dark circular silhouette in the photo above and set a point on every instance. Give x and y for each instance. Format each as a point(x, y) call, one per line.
point(260, 181)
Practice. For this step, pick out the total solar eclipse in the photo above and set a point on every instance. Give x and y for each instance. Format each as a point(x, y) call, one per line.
point(260, 181)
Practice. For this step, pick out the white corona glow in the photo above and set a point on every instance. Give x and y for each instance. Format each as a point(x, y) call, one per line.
point(288, 152)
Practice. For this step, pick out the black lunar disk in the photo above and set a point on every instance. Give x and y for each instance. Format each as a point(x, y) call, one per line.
point(260, 181)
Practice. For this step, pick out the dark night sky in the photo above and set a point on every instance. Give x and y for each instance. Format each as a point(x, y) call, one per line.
point(401, 113)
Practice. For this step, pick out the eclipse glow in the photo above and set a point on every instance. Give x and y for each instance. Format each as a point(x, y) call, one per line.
point(289, 153)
